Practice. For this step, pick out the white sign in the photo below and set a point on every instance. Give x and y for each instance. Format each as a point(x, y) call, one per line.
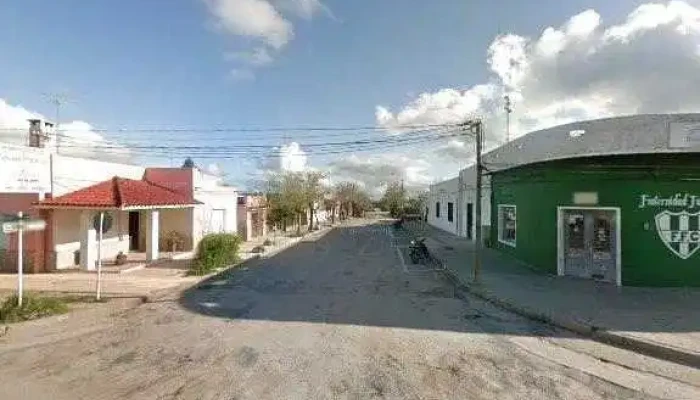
point(680, 232)
point(680, 200)
point(24, 169)
point(684, 135)
point(29, 225)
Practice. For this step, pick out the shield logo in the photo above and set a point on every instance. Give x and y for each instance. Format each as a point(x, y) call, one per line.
point(680, 232)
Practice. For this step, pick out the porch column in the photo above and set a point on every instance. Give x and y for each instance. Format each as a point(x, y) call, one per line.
point(88, 241)
point(152, 228)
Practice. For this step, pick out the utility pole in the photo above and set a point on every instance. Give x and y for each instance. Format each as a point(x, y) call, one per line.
point(508, 108)
point(478, 127)
point(403, 197)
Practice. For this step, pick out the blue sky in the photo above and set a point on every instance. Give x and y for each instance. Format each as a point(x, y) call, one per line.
point(135, 63)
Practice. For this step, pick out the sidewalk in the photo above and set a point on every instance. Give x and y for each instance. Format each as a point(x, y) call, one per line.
point(661, 322)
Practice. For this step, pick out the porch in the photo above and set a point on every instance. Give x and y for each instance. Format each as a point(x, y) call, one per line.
point(136, 220)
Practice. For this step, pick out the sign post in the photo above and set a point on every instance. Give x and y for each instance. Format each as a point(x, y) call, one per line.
point(99, 256)
point(20, 260)
point(20, 226)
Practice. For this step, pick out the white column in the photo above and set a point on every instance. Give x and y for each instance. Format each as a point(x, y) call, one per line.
point(152, 229)
point(88, 241)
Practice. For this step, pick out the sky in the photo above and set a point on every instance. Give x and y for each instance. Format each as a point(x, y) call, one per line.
point(136, 73)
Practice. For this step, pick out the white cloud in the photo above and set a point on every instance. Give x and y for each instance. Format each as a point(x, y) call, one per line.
point(76, 138)
point(583, 69)
point(304, 8)
point(263, 22)
point(257, 19)
point(375, 172)
point(287, 158)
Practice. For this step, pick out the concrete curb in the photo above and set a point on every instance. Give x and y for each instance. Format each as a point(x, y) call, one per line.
point(594, 332)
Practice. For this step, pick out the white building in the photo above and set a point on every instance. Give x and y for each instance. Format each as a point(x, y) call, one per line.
point(451, 204)
point(147, 209)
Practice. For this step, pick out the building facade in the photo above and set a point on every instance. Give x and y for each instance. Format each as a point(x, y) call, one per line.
point(62, 190)
point(613, 200)
point(252, 216)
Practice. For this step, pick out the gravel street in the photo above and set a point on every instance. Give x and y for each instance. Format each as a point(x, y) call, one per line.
point(335, 317)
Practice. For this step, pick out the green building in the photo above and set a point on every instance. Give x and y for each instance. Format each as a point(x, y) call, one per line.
point(615, 200)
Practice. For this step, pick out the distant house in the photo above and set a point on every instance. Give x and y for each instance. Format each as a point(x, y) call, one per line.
point(252, 216)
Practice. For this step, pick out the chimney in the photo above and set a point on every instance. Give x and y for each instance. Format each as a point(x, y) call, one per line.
point(37, 135)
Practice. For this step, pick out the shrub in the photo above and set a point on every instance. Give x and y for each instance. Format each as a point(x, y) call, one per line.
point(32, 308)
point(215, 251)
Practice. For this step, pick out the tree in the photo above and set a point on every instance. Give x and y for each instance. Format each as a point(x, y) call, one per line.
point(313, 192)
point(416, 204)
point(394, 199)
point(291, 194)
point(353, 199)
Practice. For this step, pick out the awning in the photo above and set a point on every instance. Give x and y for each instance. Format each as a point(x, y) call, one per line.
point(121, 194)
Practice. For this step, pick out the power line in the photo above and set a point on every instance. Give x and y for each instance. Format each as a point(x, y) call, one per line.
point(237, 152)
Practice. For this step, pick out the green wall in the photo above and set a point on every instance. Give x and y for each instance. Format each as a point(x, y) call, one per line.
point(538, 190)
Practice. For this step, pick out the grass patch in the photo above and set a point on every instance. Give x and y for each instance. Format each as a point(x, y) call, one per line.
point(33, 307)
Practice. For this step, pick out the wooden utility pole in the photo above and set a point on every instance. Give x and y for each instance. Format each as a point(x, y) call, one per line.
point(478, 127)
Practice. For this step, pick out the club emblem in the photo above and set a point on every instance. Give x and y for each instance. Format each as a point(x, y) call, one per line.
point(680, 232)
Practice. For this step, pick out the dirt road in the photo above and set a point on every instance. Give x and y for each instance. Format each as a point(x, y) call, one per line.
point(340, 317)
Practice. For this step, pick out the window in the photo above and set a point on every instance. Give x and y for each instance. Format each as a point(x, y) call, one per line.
point(437, 209)
point(507, 217)
point(450, 212)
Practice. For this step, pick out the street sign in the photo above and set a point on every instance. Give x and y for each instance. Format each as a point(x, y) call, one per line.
point(20, 225)
point(26, 225)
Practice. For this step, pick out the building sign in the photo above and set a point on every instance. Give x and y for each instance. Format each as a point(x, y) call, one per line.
point(678, 230)
point(680, 200)
point(683, 135)
point(23, 170)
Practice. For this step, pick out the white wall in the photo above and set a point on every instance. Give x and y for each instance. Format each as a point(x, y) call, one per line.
point(67, 236)
point(223, 198)
point(469, 196)
point(24, 169)
point(448, 191)
point(72, 173)
point(178, 220)
point(443, 192)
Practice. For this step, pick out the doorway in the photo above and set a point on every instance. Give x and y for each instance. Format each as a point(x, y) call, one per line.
point(134, 230)
point(589, 243)
point(470, 220)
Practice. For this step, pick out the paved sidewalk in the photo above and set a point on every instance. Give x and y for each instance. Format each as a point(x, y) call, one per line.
point(662, 322)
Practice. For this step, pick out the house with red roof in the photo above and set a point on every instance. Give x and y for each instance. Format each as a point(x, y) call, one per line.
point(142, 209)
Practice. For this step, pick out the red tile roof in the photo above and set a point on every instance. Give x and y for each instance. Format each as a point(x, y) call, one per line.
point(120, 193)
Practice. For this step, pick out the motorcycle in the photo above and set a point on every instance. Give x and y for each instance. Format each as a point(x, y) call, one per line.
point(418, 251)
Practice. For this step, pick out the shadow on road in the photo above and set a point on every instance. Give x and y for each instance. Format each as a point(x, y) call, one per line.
point(352, 275)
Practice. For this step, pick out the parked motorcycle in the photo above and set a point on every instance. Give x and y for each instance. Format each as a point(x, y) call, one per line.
point(418, 251)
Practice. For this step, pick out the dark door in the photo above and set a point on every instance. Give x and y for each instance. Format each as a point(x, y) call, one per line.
point(134, 230)
point(470, 219)
point(590, 244)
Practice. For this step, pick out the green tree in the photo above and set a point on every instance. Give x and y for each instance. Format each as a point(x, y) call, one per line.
point(394, 199)
point(353, 199)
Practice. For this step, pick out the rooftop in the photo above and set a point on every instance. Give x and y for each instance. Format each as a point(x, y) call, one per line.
point(121, 193)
